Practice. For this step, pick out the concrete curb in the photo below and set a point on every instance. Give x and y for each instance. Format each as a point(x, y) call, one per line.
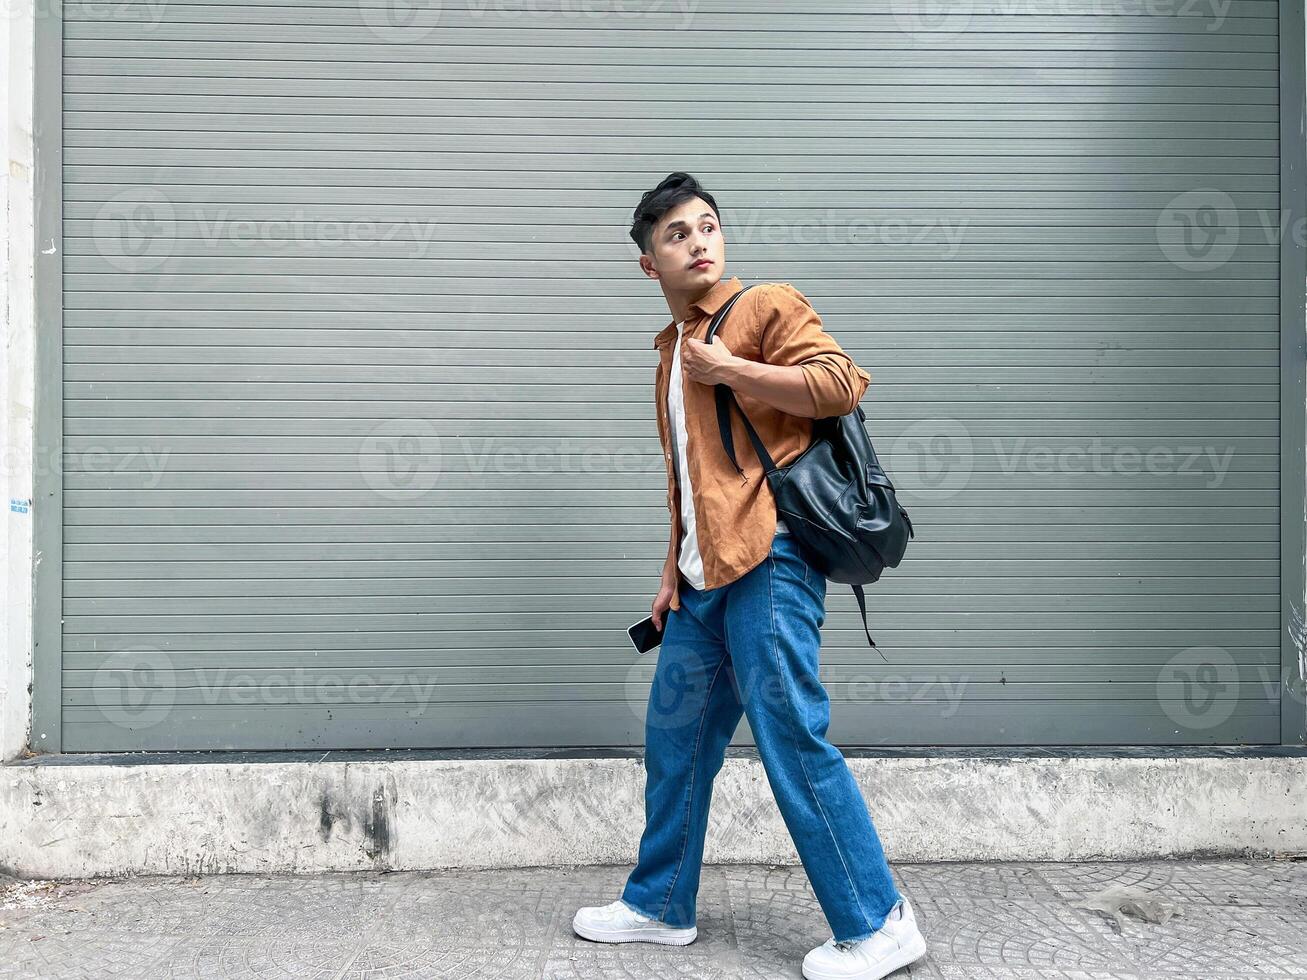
point(73, 820)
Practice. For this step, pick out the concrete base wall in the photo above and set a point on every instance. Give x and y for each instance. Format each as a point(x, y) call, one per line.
point(84, 820)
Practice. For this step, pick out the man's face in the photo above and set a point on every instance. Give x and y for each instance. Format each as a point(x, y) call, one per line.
point(689, 252)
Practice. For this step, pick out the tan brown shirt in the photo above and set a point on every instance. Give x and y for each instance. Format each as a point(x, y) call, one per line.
point(773, 323)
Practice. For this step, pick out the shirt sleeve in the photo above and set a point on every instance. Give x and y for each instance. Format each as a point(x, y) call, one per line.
point(790, 332)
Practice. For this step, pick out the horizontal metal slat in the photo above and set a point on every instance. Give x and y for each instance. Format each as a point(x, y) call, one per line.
point(901, 722)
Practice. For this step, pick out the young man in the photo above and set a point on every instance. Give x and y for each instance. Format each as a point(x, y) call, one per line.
point(743, 608)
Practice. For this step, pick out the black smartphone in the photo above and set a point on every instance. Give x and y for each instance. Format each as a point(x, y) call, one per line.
point(645, 635)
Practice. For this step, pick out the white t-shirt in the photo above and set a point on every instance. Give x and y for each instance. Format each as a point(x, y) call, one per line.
point(689, 560)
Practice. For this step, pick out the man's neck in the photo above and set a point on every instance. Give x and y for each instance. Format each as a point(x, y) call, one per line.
point(680, 306)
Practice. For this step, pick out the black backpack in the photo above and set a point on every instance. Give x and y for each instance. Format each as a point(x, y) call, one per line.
point(834, 497)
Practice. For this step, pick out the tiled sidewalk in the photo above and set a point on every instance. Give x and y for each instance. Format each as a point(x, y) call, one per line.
point(1234, 919)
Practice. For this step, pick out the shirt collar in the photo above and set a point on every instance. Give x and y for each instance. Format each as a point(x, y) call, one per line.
point(707, 304)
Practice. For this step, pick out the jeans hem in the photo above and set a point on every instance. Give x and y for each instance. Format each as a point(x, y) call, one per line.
point(635, 908)
point(868, 935)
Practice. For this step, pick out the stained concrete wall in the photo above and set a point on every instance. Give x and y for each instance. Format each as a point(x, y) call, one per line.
point(209, 817)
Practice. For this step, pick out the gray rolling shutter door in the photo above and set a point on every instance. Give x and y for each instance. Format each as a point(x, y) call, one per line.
point(286, 229)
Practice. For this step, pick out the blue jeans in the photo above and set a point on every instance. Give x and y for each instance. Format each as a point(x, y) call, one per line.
point(752, 647)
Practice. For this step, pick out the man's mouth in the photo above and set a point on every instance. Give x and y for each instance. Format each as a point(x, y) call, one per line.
point(702, 263)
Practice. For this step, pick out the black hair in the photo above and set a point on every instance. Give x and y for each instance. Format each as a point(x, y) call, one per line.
point(674, 189)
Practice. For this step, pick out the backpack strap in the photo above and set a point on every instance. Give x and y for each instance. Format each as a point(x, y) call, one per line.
point(726, 397)
point(862, 608)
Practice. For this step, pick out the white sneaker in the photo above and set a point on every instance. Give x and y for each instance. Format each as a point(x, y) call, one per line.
point(891, 947)
point(619, 923)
